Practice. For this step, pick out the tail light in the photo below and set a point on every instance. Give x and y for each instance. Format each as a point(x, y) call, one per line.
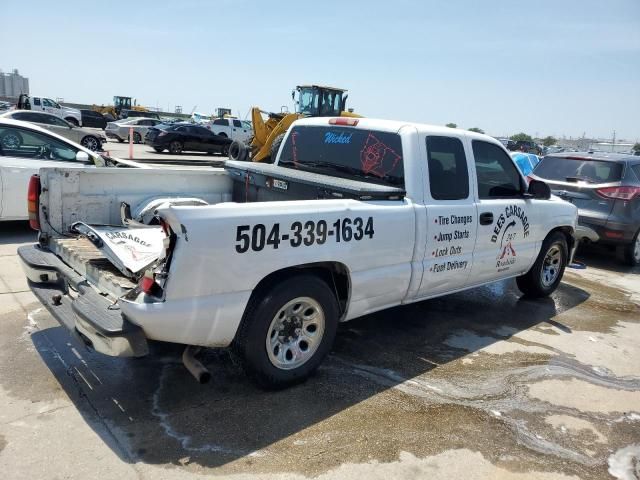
point(148, 283)
point(619, 193)
point(344, 121)
point(33, 202)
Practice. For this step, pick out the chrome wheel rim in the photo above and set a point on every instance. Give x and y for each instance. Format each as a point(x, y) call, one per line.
point(551, 265)
point(295, 333)
point(90, 143)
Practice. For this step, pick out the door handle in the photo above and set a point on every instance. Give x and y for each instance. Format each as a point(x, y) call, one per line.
point(486, 218)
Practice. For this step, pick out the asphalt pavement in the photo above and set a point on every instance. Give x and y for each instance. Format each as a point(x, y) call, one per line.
point(478, 385)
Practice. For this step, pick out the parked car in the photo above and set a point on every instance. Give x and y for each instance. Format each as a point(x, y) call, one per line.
point(5, 106)
point(91, 139)
point(525, 146)
point(24, 149)
point(271, 258)
point(119, 130)
point(525, 162)
point(231, 128)
point(44, 104)
point(137, 114)
point(606, 189)
point(180, 137)
point(93, 119)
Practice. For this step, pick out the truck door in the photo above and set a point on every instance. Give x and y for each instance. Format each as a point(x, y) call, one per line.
point(451, 216)
point(505, 245)
point(36, 104)
point(51, 107)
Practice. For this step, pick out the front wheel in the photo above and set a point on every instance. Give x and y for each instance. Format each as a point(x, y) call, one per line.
point(287, 332)
point(137, 138)
point(92, 143)
point(547, 271)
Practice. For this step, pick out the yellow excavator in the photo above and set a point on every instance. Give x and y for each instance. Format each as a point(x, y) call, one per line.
point(119, 104)
point(310, 101)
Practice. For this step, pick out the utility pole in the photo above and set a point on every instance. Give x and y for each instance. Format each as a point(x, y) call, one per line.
point(613, 142)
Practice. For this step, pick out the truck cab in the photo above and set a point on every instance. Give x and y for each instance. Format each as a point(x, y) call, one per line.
point(45, 104)
point(232, 128)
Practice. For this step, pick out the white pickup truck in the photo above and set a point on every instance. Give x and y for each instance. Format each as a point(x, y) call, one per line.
point(356, 216)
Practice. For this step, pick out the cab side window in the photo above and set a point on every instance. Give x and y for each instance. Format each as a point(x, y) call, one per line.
point(237, 123)
point(497, 175)
point(221, 121)
point(448, 174)
point(36, 101)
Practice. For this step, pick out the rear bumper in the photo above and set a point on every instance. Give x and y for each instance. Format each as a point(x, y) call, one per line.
point(606, 231)
point(88, 316)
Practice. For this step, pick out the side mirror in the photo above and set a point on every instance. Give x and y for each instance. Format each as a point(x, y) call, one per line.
point(538, 189)
point(82, 156)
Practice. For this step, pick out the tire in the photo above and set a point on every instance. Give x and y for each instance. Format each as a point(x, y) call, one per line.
point(11, 139)
point(73, 121)
point(90, 142)
point(137, 138)
point(175, 147)
point(275, 146)
point(120, 140)
point(266, 347)
point(631, 252)
point(547, 271)
point(158, 149)
point(224, 151)
point(238, 151)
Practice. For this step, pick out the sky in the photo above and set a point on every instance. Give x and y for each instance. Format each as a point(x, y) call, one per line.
point(545, 67)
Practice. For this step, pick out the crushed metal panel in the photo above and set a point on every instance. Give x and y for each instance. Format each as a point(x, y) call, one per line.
point(130, 250)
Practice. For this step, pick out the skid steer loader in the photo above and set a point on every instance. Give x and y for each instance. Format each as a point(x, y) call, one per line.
point(311, 101)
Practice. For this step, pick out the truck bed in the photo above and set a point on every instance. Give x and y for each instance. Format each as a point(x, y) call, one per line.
point(262, 182)
point(81, 255)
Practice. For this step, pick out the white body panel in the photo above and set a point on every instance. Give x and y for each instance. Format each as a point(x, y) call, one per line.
point(232, 128)
point(44, 104)
point(212, 275)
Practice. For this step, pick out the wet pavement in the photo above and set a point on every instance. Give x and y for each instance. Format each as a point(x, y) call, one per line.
point(480, 384)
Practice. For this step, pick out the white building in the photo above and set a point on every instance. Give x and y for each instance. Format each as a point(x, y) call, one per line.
point(13, 84)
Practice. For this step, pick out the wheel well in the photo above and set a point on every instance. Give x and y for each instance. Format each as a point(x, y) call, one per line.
point(568, 233)
point(334, 274)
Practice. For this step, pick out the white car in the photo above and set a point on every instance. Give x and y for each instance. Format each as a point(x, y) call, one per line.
point(232, 128)
point(119, 130)
point(88, 138)
point(357, 216)
point(24, 149)
point(44, 104)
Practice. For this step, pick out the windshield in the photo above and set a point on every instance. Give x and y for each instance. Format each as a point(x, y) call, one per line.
point(578, 169)
point(358, 154)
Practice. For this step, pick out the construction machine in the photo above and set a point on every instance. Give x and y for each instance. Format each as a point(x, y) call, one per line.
point(310, 101)
point(119, 104)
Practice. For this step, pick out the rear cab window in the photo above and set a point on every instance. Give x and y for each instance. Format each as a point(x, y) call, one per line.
point(354, 153)
point(447, 164)
point(578, 169)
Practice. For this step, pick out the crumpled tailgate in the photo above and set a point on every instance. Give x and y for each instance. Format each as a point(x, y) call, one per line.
point(130, 250)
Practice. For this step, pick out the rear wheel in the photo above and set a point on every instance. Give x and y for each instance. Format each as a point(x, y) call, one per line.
point(287, 332)
point(547, 271)
point(224, 151)
point(120, 140)
point(631, 252)
point(175, 147)
point(73, 121)
point(90, 142)
point(158, 149)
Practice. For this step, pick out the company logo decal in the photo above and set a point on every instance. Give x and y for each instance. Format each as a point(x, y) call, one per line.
point(512, 224)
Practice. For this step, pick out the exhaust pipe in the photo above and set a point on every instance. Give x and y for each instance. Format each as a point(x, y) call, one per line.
point(197, 369)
